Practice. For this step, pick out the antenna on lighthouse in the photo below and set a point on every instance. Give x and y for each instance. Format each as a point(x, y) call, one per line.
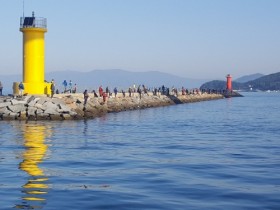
point(23, 8)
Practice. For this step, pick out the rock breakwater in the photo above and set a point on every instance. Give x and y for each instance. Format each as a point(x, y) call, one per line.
point(71, 106)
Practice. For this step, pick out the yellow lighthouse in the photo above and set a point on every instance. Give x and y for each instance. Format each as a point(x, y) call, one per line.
point(34, 29)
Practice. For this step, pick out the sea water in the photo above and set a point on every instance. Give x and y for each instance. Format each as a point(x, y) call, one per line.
point(222, 154)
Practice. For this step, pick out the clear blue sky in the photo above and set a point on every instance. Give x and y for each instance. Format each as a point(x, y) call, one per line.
point(191, 38)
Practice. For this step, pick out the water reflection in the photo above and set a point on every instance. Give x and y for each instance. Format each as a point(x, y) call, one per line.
point(85, 130)
point(36, 188)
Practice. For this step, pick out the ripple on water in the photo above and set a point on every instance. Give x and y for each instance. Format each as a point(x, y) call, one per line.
point(211, 155)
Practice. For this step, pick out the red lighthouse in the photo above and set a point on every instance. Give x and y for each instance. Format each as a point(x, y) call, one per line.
point(229, 85)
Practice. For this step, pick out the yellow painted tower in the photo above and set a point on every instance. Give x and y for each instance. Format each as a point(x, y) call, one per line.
point(34, 29)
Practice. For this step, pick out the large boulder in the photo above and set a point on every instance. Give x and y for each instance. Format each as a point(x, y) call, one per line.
point(42, 116)
point(17, 108)
point(31, 111)
point(63, 108)
point(15, 102)
point(5, 111)
point(51, 111)
point(5, 104)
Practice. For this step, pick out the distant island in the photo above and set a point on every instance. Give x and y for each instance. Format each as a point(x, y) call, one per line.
point(256, 82)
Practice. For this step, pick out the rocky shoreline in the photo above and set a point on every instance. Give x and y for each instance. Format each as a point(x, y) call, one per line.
point(71, 106)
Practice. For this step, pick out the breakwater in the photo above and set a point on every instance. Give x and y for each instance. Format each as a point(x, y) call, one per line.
point(71, 106)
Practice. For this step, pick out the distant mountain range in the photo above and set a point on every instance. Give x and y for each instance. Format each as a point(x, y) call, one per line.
point(113, 78)
point(123, 79)
point(248, 78)
point(258, 83)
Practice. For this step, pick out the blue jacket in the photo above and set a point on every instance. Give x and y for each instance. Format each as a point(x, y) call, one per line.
point(21, 86)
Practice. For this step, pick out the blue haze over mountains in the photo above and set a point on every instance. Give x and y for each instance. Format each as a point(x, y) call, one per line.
point(248, 78)
point(113, 78)
point(255, 82)
point(121, 79)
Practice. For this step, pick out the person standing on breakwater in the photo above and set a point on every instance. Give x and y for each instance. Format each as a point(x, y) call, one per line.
point(94, 93)
point(108, 92)
point(21, 88)
point(70, 86)
point(162, 90)
point(183, 91)
point(104, 95)
point(145, 90)
point(85, 97)
point(155, 91)
point(52, 88)
point(139, 91)
point(129, 91)
point(100, 91)
point(75, 88)
point(65, 86)
point(1, 88)
point(115, 91)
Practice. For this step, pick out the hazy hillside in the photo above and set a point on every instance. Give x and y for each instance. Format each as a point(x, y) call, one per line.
point(122, 79)
point(219, 85)
point(267, 82)
point(112, 78)
point(248, 78)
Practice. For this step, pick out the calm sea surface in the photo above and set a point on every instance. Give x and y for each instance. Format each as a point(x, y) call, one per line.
point(220, 155)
